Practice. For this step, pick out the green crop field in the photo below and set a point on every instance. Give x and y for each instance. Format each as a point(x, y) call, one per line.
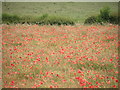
point(77, 10)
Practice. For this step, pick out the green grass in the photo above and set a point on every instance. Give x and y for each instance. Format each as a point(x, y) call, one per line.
point(77, 10)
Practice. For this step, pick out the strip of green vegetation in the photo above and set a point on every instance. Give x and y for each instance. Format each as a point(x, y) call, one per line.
point(45, 19)
point(77, 10)
point(104, 17)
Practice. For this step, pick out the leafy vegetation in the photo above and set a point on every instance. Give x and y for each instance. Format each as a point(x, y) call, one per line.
point(45, 19)
point(103, 17)
point(104, 14)
point(91, 20)
point(7, 18)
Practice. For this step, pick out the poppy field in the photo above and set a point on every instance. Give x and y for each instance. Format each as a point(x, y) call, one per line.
point(60, 56)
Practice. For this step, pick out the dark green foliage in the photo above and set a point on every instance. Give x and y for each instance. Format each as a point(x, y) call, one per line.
point(105, 14)
point(45, 19)
point(6, 18)
point(114, 19)
point(103, 17)
point(90, 20)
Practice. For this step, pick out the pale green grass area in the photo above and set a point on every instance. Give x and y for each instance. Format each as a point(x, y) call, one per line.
point(77, 10)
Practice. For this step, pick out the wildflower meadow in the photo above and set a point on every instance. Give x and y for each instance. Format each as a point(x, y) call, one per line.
point(79, 56)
